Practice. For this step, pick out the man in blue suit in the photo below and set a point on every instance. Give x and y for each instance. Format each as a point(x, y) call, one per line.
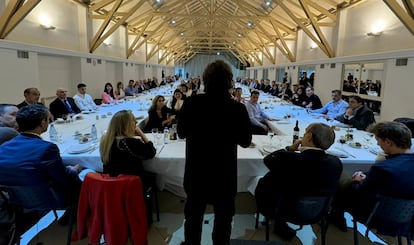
point(27, 159)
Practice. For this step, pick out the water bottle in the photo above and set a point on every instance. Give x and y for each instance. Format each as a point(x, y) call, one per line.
point(53, 134)
point(166, 135)
point(94, 132)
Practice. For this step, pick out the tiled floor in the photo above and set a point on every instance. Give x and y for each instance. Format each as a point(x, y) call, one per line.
point(169, 230)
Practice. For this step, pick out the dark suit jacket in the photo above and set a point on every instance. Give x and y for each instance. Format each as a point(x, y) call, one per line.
point(7, 133)
point(362, 119)
point(28, 160)
point(391, 177)
point(213, 127)
point(58, 107)
point(24, 103)
point(290, 173)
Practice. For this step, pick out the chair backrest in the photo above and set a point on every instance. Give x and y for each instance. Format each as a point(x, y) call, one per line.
point(392, 216)
point(409, 122)
point(305, 210)
point(143, 123)
point(47, 100)
point(116, 205)
point(33, 197)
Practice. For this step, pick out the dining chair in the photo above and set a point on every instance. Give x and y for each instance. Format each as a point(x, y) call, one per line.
point(391, 217)
point(302, 210)
point(41, 199)
point(114, 207)
point(409, 122)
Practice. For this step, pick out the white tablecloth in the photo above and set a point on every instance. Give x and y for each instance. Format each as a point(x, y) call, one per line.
point(169, 162)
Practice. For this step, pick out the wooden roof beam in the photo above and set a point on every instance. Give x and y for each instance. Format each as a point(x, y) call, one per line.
point(16, 13)
point(329, 51)
point(405, 18)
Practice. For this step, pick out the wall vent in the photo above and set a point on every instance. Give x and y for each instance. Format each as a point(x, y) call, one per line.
point(322, 66)
point(22, 54)
point(333, 65)
point(401, 62)
point(88, 60)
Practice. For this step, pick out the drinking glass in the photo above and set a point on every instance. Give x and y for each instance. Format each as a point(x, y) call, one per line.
point(367, 138)
point(342, 140)
point(154, 132)
point(159, 136)
point(270, 135)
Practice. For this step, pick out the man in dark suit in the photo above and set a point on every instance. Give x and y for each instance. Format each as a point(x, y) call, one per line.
point(357, 115)
point(8, 124)
point(27, 159)
point(31, 97)
point(211, 153)
point(63, 105)
point(291, 173)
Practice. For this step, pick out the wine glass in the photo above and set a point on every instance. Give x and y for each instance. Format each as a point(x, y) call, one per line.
point(367, 138)
point(270, 135)
point(154, 132)
point(342, 140)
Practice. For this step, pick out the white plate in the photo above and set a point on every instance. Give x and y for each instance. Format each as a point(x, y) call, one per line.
point(354, 145)
point(376, 150)
point(283, 122)
point(338, 153)
point(87, 112)
point(269, 148)
point(81, 148)
point(59, 120)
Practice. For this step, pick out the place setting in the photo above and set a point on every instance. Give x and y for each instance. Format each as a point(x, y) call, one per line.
point(82, 148)
point(270, 147)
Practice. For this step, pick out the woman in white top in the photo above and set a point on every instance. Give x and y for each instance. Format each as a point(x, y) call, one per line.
point(120, 90)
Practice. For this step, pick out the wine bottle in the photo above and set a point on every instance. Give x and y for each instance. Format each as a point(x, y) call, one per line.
point(296, 132)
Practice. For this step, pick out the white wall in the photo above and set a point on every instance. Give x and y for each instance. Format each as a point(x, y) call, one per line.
point(359, 21)
point(55, 72)
point(17, 75)
point(67, 32)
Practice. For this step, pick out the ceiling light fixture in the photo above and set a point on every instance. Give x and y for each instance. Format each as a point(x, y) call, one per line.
point(374, 34)
point(46, 22)
point(47, 27)
point(376, 29)
point(107, 43)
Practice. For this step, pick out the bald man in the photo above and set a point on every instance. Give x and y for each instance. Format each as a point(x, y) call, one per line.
point(63, 105)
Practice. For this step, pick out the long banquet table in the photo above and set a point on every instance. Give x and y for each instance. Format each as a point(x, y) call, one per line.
point(170, 159)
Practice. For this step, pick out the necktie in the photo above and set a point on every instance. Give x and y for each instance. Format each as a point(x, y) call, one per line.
point(68, 106)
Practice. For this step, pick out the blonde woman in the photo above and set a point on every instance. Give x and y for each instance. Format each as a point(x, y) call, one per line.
point(122, 152)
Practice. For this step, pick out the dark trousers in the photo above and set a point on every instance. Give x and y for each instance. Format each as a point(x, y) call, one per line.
point(195, 206)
